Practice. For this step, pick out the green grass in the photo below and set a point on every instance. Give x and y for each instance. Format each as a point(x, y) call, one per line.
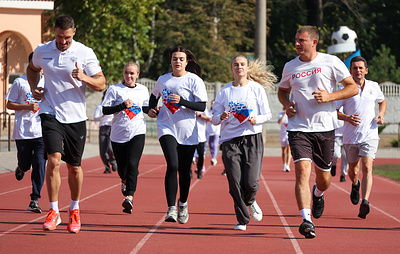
point(391, 171)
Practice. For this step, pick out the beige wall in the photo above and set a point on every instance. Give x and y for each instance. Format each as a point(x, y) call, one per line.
point(20, 32)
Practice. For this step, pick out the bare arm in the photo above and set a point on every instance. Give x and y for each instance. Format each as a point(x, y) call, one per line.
point(16, 106)
point(350, 89)
point(283, 96)
point(33, 76)
point(96, 82)
point(382, 110)
point(353, 119)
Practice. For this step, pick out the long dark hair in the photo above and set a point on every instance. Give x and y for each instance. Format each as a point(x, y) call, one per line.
point(193, 65)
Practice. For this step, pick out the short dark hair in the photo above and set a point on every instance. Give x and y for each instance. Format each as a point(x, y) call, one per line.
point(358, 59)
point(312, 31)
point(65, 22)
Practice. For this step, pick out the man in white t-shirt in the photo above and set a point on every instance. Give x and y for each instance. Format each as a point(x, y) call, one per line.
point(68, 67)
point(311, 80)
point(360, 131)
point(28, 136)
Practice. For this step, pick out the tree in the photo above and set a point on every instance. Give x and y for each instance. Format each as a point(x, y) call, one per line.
point(383, 67)
point(118, 31)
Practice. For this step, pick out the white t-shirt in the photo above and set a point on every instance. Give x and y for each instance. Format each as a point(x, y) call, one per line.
point(64, 96)
point(104, 120)
point(128, 122)
point(242, 103)
point(362, 104)
point(202, 126)
point(27, 122)
point(212, 130)
point(303, 78)
point(283, 136)
point(174, 119)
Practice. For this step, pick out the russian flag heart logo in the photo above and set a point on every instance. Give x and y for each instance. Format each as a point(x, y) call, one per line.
point(132, 111)
point(239, 111)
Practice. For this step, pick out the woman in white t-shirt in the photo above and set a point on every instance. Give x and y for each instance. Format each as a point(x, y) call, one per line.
point(183, 93)
point(283, 138)
point(241, 107)
point(127, 101)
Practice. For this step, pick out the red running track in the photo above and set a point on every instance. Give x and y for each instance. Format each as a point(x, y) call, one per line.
point(105, 229)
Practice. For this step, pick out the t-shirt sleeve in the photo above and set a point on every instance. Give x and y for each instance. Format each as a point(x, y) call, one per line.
point(158, 88)
point(285, 80)
point(380, 96)
point(109, 98)
point(92, 64)
point(146, 97)
point(340, 70)
point(13, 93)
point(199, 90)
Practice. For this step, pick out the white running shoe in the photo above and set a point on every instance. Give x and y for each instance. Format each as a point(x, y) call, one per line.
point(240, 227)
point(183, 214)
point(213, 161)
point(172, 214)
point(256, 212)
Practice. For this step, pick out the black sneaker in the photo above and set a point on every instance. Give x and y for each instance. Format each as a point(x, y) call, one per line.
point(355, 193)
point(318, 204)
point(114, 167)
point(19, 174)
point(199, 175)
point(307, 229)
point(223, 173)
point(343, 178)
point(127, 205)
point(107, 171)
point(364, 209)
point(34, 207)
point(333, 170)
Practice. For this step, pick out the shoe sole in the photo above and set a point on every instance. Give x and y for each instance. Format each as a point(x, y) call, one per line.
point(307, 231)
point(170, 219)
point(74, 231)
point(35, 210)
point(364, 210)
point(128, 206)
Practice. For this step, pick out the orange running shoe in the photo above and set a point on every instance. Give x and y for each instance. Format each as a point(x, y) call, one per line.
point(52, 221)
point(74, 224)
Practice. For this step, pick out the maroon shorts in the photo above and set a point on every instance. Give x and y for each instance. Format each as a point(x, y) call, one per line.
point(313, 146)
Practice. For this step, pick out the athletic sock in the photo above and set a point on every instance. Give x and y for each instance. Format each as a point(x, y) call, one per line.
point(54, 206)
point(306, 214)
point(182, 204)
point(74, 205)
point(317, 192)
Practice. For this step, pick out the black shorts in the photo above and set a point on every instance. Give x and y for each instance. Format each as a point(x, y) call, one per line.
point(67, 139)
point(313, 146)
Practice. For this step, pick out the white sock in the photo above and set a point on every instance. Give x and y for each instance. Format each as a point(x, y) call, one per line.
point(74, 205)
point(54, 206)
point(317, 192)
point(306, 214)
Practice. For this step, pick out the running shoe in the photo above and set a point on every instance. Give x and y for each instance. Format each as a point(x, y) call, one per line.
point(223, 173)
point(74, 223)
point(107, 171)
point(199, 175)
point(307, 229)
point(183, 214)
point(239, 226)
point(318, 204)
point(343, 178)
point(256, 212)
point(214, 161)
point(52, 220)
point(364, 209)
point(19, 174)
point(127, 205)
point(355, 193)
point(114, 167)
point(172, 214)
point(34, 206)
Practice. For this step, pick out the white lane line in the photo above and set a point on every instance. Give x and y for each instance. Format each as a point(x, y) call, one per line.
point(157, 225)
point(83, 199)
point(289, 232)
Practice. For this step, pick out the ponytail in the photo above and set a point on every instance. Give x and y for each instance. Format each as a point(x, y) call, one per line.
point(261, 73)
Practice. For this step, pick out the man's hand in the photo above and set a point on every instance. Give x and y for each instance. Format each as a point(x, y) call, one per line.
point(354, 119)
point(38, 94)
point(253, 120)
point(380, 119)
point(290, 111)
point(225, 115)
point(321, 96)
point(78, 73)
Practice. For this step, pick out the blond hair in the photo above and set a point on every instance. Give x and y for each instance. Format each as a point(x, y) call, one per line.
point(261, 73)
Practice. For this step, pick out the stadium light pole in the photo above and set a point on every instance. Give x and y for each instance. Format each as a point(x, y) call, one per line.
point(261, 30)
